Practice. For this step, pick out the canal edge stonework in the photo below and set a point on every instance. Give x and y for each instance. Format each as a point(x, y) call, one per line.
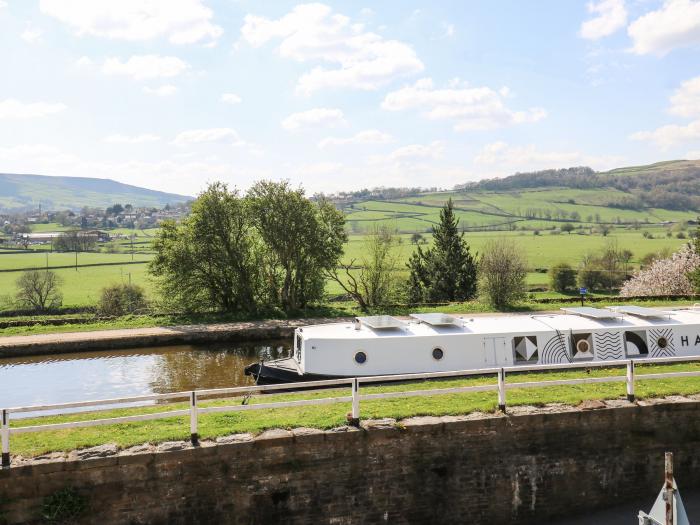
point(526, 467)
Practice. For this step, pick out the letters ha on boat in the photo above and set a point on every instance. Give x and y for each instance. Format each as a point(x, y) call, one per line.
point(436, 342)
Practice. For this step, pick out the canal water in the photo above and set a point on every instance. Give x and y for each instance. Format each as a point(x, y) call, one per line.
point(63, 378)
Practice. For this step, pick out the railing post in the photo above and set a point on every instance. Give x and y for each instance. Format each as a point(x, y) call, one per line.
point(355, 419)
point(502, 390)
point(630, 381)
point(194, 436)
point(5, 435)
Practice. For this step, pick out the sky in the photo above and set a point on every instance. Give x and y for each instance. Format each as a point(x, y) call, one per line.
point(174, 94)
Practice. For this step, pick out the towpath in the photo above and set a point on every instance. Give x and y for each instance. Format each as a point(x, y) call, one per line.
point(39, 344)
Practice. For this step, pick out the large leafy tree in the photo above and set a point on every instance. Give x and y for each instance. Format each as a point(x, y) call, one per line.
point(212, 260)
point(302, 240)
point(447, 270)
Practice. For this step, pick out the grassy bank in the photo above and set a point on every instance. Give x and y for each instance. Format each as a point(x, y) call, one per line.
point(333, 415)
point(330, 310)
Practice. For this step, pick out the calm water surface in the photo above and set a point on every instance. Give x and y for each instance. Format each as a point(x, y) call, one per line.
point(83, 376)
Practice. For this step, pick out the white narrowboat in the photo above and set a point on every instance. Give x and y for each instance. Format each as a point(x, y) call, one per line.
point(435, 342)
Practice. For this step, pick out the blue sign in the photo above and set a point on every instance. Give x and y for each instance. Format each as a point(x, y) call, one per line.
point(583, 291)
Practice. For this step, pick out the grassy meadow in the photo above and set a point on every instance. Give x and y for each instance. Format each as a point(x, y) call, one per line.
point(98, 269)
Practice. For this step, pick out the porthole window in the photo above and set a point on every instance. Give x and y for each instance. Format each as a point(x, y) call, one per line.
point(438, 354)
point(360, 358)
point(662, 342)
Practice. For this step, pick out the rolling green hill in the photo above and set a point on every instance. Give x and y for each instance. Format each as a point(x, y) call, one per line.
point(639, 197)
point(25, 192)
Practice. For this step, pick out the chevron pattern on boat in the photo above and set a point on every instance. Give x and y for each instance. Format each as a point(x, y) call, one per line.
point(607, 345)
point(654, 349)
point(554, 351)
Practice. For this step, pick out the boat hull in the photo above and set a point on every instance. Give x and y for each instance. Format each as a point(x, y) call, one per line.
point(280, 371)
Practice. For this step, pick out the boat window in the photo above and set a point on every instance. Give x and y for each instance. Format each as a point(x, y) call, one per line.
point(360, 358)
point(636, 344)
point(525, 349)
point(438, 353)
point(583, 346)
point(662, 342)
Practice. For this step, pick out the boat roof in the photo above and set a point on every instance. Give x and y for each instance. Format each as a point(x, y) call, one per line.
point(511, 324)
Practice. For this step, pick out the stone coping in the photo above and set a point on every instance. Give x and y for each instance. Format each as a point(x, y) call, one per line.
point(111, 454)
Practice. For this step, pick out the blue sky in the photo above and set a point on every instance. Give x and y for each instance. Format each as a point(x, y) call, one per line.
point(172, 94)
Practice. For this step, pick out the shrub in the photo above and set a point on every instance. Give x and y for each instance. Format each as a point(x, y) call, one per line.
point(121, 299)
point(39, 290)
point(672, 276)
point(502, 270)
point(64, 506)
point(562, 278)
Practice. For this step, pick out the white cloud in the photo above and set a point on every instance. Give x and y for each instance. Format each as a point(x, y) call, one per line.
point(14, 109)
point(468, 107)
point(83, 61)
point(162, 91)
point(3, 4)
point(313, 33)
point(670, 135)
point(318, 168)
point(198, 136)
point(368, 136)
point(685, 102)
point(134, 139)
point(675, 24)
point(609, 16)
point(31, 35)
point(527, 158)
point(142, 67)
point(408, 155)
point(317, 117)
point(693, 155)
point(181, 21)
point(230, 98)
point(434, 150)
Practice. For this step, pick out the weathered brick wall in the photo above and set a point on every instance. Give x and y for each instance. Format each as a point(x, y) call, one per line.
point(478, 469)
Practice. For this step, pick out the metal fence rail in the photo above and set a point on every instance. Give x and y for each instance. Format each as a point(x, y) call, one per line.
point(195, 396)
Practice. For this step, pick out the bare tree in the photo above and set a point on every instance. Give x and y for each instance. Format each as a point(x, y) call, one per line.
point(373, 280)
point(39, 290)
point(502, 269)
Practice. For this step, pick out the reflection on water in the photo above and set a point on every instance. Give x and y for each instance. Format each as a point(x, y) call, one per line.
point(83, 376)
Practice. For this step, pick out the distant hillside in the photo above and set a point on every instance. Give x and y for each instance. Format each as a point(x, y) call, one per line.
point(27, 192)
point(635, 197)
point(673, 185)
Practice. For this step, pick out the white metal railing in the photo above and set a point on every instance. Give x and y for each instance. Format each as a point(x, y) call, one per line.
point(194, 396)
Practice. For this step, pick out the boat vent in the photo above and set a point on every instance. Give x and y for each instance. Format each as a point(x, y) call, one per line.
point(592, 313)
point(379, 322)
point(639, 311)
point(436, 319)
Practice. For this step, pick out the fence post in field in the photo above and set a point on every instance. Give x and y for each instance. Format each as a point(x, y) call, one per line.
point(5, 432)
point(630, 381)
point(502, 390)
point(355, 402)
point(194, 437)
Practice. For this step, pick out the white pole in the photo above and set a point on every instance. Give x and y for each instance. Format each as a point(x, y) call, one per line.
point(502, 390)
point(194, 437)
point(5, 435)
point(630, 381)
point(355, 401)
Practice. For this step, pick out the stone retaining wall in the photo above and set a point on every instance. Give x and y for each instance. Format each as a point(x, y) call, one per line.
point(527, 467)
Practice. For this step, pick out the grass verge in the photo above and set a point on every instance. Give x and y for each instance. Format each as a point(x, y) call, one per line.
point(333, 415)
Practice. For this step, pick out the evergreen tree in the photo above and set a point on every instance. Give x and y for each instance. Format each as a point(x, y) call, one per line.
point(446, 271)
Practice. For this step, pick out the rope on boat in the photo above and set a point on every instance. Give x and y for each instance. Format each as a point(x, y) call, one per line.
point(247, 397)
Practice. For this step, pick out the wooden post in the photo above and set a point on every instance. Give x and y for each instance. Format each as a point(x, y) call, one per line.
point(5, 436)
point(194, 436)
point(502, 390)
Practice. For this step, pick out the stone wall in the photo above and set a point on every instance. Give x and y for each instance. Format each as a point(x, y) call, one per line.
point(527, 467)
